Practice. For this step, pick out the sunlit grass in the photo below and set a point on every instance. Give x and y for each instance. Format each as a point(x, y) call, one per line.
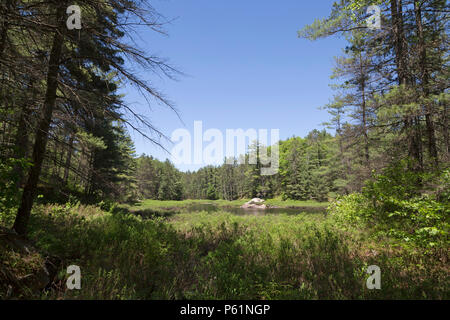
point(277, 223)
point(219, 255)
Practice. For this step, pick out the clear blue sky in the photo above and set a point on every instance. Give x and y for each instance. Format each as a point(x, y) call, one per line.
point(245, 67)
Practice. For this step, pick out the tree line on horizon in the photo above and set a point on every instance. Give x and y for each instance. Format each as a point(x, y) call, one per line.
point(305, 173)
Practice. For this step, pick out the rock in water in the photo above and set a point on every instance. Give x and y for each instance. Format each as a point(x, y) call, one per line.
point(255, 203)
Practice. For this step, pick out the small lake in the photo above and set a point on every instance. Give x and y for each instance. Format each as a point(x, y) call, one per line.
point(210, 207)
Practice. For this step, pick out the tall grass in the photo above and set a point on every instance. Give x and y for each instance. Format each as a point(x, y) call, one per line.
point(222, 256)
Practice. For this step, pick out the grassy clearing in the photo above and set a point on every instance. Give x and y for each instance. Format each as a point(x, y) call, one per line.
point(222, 256)
point(281, 224)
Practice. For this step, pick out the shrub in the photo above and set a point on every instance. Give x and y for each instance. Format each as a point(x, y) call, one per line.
point(9, 191)
point(392, 205)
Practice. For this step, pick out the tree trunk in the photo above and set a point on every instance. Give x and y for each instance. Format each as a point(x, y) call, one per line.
point(69, 159)
point(364, 112)
point(23, 214)
point(89, 175)
point(432, 148)
point(414, 144)
point(7, 7)
point(399, 36)
point(21, 142)
point(445, 132)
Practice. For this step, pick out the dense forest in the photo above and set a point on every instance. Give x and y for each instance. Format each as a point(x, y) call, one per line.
point(307, 172)
point(382, 160)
